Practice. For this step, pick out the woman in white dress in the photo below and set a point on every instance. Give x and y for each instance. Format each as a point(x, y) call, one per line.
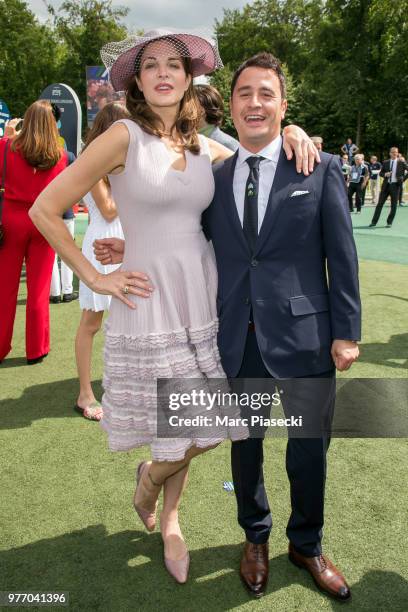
point(104, 221)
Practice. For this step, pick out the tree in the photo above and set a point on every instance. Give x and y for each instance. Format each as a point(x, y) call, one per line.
point(83, 27)
point(221, 80)
point(347, 62)
point(388, 24)
point(358, 71)
point(341, 70)
point(29, 57)
point(282, 27)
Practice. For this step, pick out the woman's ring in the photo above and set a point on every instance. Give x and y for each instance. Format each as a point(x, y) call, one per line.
point(126, 289)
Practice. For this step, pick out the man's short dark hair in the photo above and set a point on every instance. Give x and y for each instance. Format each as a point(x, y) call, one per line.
point(262, 60)
point(212, 103)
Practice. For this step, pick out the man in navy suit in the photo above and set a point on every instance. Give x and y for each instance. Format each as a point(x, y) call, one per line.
point(288, 305)
point(393, 171)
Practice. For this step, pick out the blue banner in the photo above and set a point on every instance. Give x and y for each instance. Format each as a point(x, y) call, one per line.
point(4, 116)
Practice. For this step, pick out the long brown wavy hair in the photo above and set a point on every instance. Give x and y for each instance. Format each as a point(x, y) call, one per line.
point(38, 141)
point(188, 119)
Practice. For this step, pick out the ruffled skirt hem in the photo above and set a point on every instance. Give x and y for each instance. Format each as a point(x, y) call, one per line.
point(132, 367)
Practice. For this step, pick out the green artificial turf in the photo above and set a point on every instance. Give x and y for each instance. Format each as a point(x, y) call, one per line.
point(382, 243)
point(66, 515)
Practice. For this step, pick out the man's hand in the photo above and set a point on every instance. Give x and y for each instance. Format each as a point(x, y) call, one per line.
point(296, 141)
point(109, 250)
point(344, 353)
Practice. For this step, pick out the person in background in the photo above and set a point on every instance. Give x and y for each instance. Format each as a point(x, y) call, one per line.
point(365, 181)
point(358, 174)
point(12, 127)
point(375, 169)
point(349, 149)
point(63, 284)
point(394, 173)
point(104, 223)
point(92, 88)
point(401, 192)
point(103, 96)
point(318, 142)
point(33, 159)
point(212, 105)
point(56, 111)
point(345, 167)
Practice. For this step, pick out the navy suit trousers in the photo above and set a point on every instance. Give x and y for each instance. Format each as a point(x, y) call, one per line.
point(306, 470)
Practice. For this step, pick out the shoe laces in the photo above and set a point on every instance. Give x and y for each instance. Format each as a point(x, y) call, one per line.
point(323, 563)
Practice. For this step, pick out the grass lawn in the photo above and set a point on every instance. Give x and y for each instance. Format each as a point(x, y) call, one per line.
point(67, 521)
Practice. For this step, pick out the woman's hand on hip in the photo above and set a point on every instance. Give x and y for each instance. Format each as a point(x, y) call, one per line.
point(122, 284)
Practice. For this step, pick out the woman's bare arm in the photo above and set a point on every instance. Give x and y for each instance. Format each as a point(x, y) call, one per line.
point(106, 154)
point(218, 152)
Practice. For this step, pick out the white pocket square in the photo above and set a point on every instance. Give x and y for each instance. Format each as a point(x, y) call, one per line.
point(298, 193)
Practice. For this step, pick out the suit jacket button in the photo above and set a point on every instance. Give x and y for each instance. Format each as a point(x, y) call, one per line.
point(254, 262)
point(247, 301)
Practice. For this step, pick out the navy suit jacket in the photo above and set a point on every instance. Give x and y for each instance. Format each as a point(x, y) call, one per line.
point(302, 279)
point(402, 168)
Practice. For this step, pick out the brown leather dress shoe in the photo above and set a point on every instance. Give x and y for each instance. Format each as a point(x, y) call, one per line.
point(325, 574)
point(254, 568)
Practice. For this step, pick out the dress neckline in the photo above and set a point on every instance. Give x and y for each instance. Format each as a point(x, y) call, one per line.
point(170, 158)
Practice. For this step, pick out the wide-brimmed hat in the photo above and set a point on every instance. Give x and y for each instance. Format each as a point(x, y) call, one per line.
point(120, 57)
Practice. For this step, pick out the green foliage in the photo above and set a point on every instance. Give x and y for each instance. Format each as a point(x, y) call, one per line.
point(67, 521)
point(388, 25)
point(29, 56)
point(282, 27)
point(221, 80)
point(83, 28)
point(35, 55)
point(346, 63)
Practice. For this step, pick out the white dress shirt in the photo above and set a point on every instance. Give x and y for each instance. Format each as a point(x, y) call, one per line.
point(267, 169)
point(393, 177)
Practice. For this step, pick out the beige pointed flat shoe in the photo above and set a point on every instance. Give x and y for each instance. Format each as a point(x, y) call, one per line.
point(178, 569)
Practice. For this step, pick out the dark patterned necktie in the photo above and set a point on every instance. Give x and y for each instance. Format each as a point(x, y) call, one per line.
point(250, 224)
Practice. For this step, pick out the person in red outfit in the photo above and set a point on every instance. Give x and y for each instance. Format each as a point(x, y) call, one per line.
point(34, 158)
